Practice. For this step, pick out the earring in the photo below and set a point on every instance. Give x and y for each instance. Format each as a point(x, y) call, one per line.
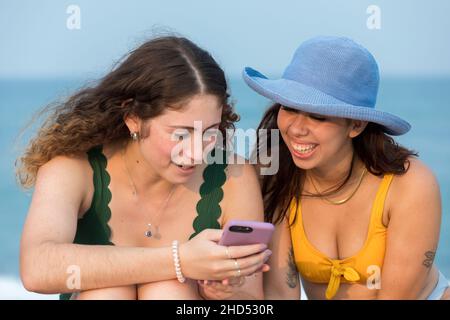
point(134, 136)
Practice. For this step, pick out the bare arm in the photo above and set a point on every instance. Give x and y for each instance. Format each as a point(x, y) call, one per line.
point(282, 281)
point(47, 251)
point(413, 234)
point(245, 203)
point(49, 259)
point(242, 201)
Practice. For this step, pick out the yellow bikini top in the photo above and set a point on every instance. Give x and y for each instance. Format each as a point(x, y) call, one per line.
point(316, 267)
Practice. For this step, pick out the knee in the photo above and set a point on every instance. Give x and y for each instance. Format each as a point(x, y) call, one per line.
point(116, 293)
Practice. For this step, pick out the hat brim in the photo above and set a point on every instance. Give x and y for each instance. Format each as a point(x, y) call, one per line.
point(304, 98)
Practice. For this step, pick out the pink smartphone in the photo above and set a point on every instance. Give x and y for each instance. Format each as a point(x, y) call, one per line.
point(241, 232)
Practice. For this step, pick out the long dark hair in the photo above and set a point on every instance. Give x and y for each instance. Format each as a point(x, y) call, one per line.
point(378, 151)
point(161, 73)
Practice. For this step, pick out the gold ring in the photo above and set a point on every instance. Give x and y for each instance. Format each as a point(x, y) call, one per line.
point(236, 264)
point(228, 253)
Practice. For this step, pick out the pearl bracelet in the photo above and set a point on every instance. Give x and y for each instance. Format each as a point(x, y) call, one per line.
point(176, 261)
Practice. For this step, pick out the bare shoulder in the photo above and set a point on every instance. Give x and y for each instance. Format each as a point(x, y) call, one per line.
point(416, 190)
point(242, 194)
point(240, 171)
point(69, 174)
point(75, 168)
point(58, 198)
point(418, 178)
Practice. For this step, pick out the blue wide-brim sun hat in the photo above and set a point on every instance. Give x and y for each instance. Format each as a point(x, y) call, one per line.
point(330, 76)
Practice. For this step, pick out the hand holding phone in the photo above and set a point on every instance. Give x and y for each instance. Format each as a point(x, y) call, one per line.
point(243, 232)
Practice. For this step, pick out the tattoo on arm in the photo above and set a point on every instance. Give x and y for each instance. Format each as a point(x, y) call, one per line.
point(292, 273)
point(428, 262)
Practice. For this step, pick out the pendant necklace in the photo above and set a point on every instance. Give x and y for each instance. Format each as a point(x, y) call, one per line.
point(153, 228)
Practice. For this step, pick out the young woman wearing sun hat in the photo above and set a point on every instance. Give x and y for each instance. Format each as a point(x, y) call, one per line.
point(358, 216)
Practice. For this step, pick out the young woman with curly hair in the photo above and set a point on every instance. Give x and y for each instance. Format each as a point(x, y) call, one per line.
point(110, 199)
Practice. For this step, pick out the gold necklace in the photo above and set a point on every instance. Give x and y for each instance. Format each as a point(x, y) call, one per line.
point(153, 229)
point(343, 200)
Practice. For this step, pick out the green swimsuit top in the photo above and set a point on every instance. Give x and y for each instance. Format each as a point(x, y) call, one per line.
point(93, 228)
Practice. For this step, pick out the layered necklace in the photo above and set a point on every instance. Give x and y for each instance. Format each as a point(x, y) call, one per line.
point(342, 201)
point(152, 227)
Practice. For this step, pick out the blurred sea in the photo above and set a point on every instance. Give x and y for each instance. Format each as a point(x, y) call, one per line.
point(424, 102)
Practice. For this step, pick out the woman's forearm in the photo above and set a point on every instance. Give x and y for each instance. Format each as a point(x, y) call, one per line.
point(60, 268)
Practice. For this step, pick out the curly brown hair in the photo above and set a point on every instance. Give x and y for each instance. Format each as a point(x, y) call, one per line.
point(378, 151)
point(161, 73)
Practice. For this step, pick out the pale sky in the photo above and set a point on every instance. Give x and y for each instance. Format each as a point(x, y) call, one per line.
point(414, 38)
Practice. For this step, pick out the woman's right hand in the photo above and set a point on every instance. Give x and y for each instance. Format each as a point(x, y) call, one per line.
point(202, 258)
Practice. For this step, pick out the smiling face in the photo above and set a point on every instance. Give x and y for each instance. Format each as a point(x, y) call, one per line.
point(175, 128)
point(315, 141)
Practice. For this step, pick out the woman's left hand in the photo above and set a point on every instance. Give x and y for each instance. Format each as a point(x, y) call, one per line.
point(220, 290)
